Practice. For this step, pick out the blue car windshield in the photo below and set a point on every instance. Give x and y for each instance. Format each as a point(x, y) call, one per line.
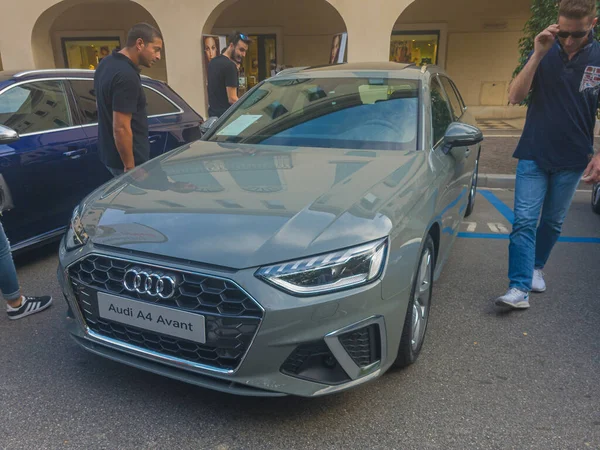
point(350, 113)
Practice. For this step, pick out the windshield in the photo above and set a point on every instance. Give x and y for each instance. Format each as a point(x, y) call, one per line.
point(353, 113)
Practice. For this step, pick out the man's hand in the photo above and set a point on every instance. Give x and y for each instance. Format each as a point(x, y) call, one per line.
point(138, 175)
point(592, 171)
point(522, 84)
point(545, 40)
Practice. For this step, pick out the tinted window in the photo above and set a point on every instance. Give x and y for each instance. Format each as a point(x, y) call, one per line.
point(34, 107)
point(84, 90)
point(460, 99)
point(157, 104)
point(354, 113)
point(440, 111)
point(454, 100)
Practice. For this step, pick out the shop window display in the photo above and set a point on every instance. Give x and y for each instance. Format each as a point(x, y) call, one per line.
point(86, 53)
point(415, 47)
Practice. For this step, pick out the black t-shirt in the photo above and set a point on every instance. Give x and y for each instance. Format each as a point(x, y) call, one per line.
point(222, 73)
point(119, 88)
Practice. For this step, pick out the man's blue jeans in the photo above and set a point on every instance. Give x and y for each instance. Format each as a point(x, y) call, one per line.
point(537, 190)
point(9, 285)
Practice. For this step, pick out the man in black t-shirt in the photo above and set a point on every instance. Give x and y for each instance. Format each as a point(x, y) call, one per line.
point(223, 78)
point(122, 118)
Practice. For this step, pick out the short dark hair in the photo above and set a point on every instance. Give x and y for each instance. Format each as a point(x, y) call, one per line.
point(236, 37)
point(143, 31)
point(577, 9)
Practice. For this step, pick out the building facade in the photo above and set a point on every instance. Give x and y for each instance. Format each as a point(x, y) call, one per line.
point(475, 41)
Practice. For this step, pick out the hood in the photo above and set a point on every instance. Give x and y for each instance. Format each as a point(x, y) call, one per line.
point(240, 206)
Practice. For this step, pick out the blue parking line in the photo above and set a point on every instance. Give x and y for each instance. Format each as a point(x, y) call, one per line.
point(499, 205)
point(483, 236)
point(498, 236)
point(579, 240)
point(509, 215)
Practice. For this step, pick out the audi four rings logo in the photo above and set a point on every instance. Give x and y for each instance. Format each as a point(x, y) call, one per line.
point(152, 284)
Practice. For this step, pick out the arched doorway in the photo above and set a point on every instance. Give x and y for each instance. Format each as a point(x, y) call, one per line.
point(79, 33)
point(479, 49)
point(285, 33)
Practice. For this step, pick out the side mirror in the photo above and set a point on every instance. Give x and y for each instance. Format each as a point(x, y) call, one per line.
point(8, 135)
point(208, 123)
point(461, 135)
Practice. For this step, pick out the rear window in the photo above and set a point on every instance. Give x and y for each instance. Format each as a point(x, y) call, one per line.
point(354, 113)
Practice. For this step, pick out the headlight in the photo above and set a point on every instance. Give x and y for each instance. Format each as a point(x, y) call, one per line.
point(76, 236)
point(330, 272)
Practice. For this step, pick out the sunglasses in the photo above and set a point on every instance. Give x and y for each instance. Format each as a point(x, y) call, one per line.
point(575, 34)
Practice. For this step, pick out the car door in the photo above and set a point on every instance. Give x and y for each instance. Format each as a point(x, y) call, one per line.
point(162, 120)
point(468, 154)
point(43, 169)
point(448, 169)
point(85, 98)
point(157, 107)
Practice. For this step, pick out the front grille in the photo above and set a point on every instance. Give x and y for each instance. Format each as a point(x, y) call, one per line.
point(194, 292)
point(231, 317)
point(362, 345)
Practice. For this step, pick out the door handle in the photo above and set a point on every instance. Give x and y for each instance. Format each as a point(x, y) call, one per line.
point(467, 152)
point(154, 139)
point(74, 154)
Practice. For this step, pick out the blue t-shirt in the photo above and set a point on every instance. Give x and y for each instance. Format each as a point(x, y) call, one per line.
point(559, 129)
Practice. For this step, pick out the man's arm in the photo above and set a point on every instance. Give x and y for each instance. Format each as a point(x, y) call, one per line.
point(521, 85)
point(232, 82)
point(125, 94)
point(232, 95)
point(124, 138)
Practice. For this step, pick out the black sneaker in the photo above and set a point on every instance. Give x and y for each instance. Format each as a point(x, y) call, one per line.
point(29, 305)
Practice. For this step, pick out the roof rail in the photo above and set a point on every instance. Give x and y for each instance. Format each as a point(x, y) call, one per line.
point(291, 70)
point(31, 72)
point(42, 71)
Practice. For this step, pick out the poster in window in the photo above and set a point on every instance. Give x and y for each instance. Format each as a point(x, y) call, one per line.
point(212, 46)
point(337, 53)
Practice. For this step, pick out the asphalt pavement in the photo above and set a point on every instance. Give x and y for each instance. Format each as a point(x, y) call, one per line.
point(485, 379)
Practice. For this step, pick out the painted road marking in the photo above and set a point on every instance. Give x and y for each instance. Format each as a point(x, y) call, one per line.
point(497, 228)
point(499, 205)
point(471, 226)
point(500, 231)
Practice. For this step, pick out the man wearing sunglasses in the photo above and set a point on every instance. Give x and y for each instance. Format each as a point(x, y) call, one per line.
point(556, 147)
point(223, 80)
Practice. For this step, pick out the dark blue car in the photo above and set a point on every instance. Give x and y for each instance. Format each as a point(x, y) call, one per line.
point(54, 164)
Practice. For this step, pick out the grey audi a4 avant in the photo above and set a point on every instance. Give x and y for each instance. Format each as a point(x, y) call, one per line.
point(293, 249)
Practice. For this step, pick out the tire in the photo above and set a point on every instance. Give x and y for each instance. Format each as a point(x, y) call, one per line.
point(473, 188)
point(596, 198)
point(417, 314)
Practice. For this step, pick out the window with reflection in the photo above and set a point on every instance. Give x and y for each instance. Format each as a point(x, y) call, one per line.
point(355, 113)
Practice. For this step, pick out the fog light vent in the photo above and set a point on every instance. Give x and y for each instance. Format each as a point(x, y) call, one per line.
point(314, 362)
point(363, 345)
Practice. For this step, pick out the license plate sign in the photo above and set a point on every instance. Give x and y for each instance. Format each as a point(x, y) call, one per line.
point(168, 321)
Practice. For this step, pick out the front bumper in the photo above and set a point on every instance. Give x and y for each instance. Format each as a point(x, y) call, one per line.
point(302, 346)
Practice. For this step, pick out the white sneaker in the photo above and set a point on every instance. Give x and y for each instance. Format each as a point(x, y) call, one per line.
point(538, 284)
point(29, 305)
point(514, 298)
